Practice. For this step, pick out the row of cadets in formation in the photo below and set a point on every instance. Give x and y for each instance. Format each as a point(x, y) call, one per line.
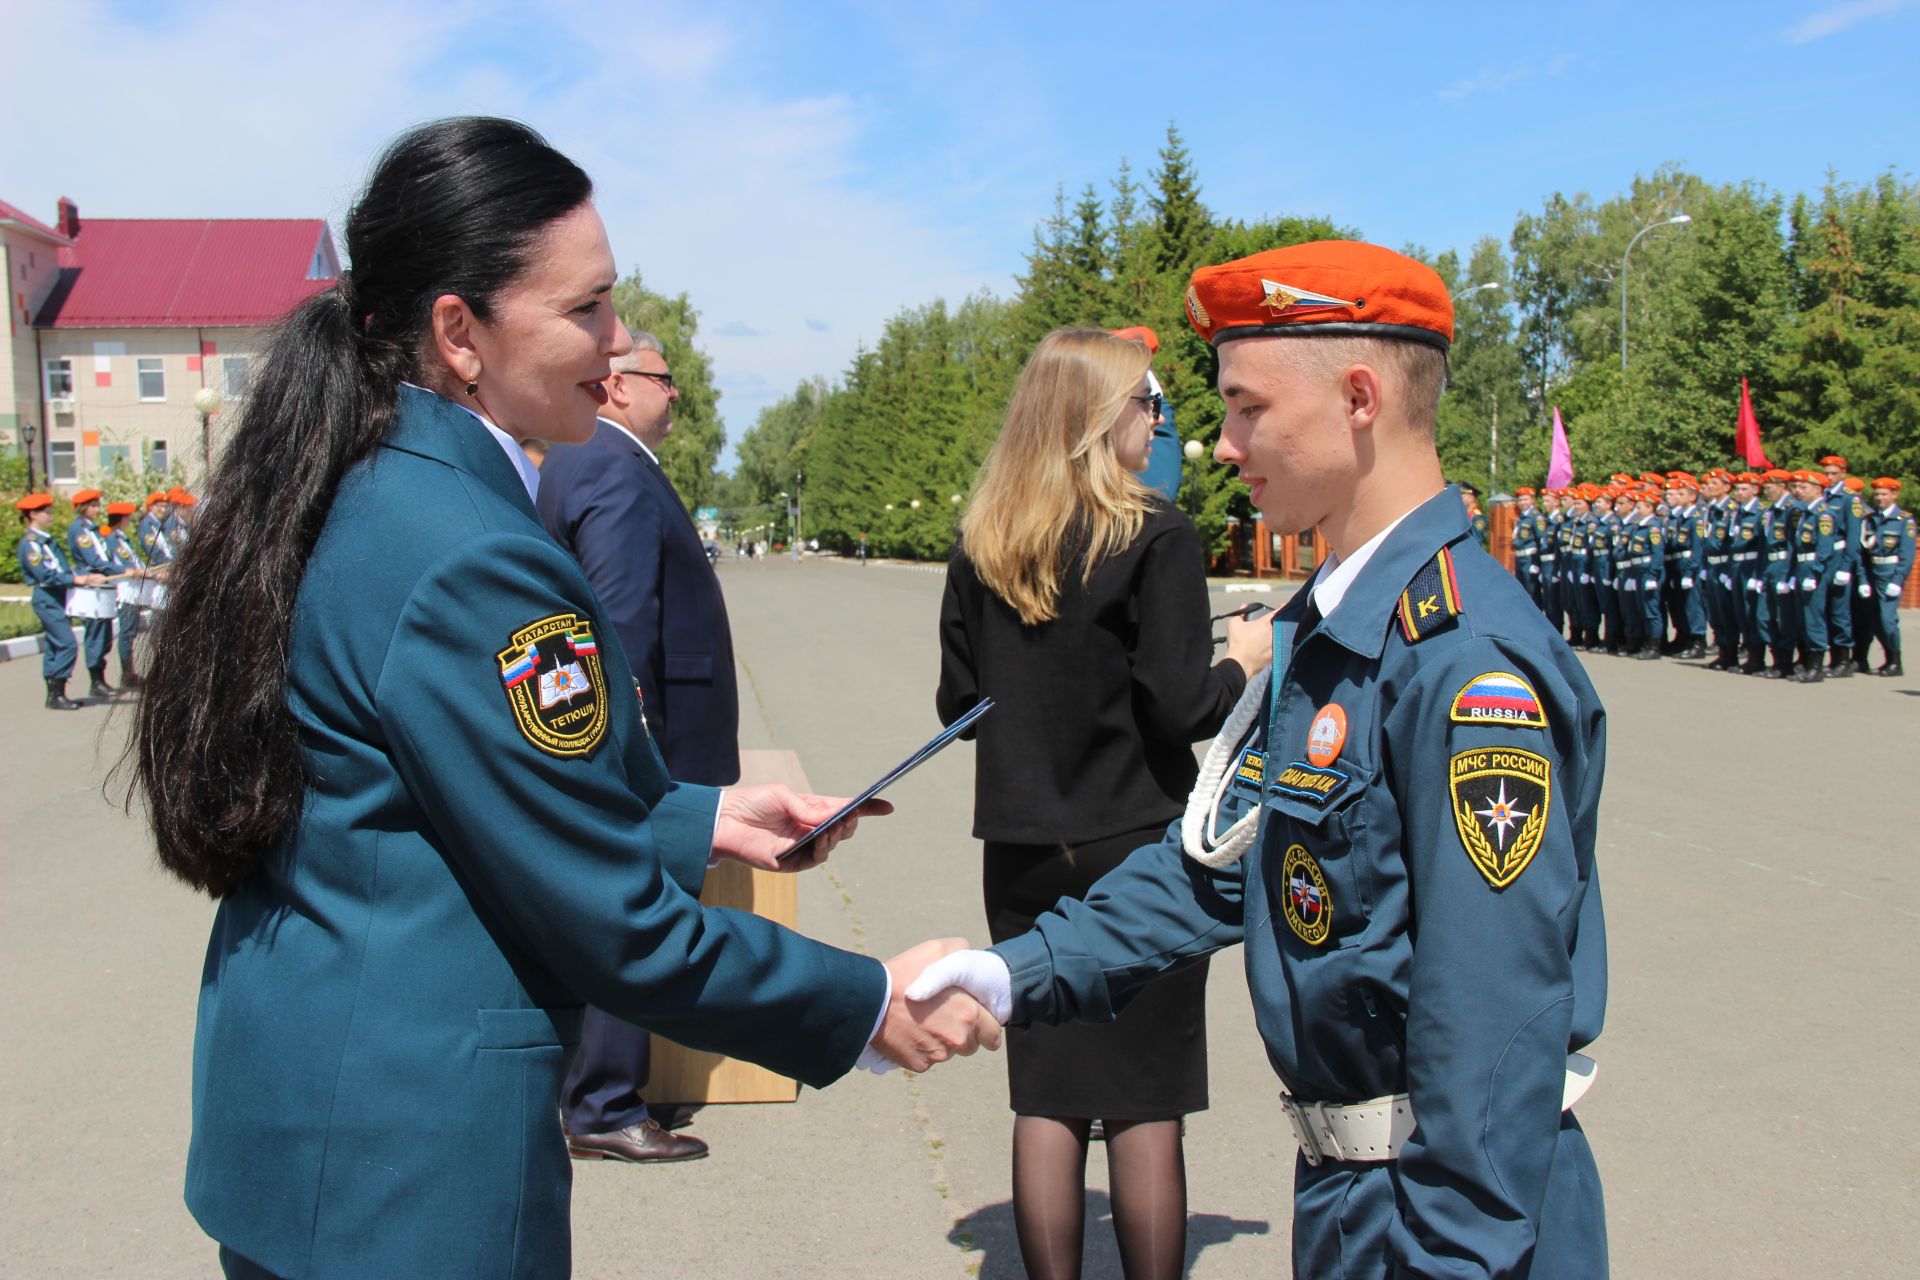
point(107, 576)
point(1788, 573)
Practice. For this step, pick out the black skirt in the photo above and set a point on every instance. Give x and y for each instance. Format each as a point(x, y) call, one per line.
point(1150, 1063)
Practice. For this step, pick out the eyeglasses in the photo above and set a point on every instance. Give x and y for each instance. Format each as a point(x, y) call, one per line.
point(1153, 403)
point(664, 379)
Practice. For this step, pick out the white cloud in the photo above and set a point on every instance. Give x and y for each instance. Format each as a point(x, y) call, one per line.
point(756, 206)
point(1842, 17)
point(1488, 80)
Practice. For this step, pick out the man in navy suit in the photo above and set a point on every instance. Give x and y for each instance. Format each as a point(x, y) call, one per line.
point(610, 505)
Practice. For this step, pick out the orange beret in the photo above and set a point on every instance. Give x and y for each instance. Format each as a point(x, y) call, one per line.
point(1720, 473)
point(1746, 477)
point(1854, 484)
point(158, 495)
point(1810, 476)
point(1681, 480)
point(1776, 476)
point(1524, 491)
point(1324, 287)
point(1621, 477)
point(1834, 460)
point(81, 497)
point(180, 498)
point(1141, 334)
point(120, 508)
point(35, 502)
point(1887, 482)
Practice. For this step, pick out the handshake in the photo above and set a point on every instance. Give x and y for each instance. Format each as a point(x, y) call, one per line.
point(946, 1001)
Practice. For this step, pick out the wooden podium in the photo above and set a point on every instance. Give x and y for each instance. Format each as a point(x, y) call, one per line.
point(687, 1076)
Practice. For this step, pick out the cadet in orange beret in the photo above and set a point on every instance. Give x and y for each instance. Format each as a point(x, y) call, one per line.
point(1842, 495)
point(124, 561)
point(1685, 563)
point(1887, 539)
point(1410, 809)
point(89, 552)
point(44, 567)
point(1165, 466)
point(1746, 552)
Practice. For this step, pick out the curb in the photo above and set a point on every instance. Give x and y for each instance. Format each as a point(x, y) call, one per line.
point(19, 647)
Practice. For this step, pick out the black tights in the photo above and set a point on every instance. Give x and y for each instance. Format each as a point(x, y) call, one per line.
point(1146, 1165)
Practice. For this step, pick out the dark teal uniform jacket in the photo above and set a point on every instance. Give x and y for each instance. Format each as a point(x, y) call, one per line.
point(489, 840)
point(1421, 914)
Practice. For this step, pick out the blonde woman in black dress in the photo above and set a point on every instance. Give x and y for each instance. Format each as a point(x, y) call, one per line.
point(1078, 602)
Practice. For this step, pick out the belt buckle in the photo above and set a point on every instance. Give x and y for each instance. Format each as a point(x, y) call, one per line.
point(1311, 1130)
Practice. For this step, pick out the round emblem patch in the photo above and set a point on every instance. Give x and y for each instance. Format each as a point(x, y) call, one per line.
point(1327, 736)
point(1307, 904)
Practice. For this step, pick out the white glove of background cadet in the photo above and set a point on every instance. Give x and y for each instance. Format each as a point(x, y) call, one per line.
point(1866, 591)
point(981, 974)
point(1783, 588)
point(1891, 590)
point(1686, 584)
point(1808, 584)
point(1753, 585)
point(1843, 577)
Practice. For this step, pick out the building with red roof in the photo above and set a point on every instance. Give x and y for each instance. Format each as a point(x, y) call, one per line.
point(120, 323)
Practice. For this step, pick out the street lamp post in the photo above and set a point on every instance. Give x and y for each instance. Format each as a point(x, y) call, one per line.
point(206, 402)
point(1493, 432)
point(27, 435)
point(1676, 220)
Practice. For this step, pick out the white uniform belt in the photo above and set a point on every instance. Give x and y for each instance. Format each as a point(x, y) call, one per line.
point(1776, 555)
point(1806, 557)
point(1375, 1131)
point(1746, 555)
point(1885, 559)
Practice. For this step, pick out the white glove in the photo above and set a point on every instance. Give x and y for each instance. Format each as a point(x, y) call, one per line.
point(1652, 584)
point(1686, 584)
point(981, 974)
point(1891, 590)
point(1866, 591)
point(1631, 585)
point(1726, 582)
point(1586, 579)
point(1808, 584)
point(1843, 577)
point(1753, 585)
point(1783, 588)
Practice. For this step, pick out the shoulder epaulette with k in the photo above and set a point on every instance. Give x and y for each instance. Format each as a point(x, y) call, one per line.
point(1431, 601)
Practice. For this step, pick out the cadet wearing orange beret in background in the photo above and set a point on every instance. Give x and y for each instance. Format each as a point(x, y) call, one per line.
point(1402, 836)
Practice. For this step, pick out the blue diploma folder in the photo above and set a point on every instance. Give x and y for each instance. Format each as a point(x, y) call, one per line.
point(898, 771)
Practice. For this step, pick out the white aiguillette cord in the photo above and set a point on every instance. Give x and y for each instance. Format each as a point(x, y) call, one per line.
point(1204, 800)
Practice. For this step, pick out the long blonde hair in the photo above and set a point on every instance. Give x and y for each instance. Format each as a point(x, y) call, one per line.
point(1053, 473)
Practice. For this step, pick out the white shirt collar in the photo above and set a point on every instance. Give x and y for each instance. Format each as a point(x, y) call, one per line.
point(522, 464)
point(1340, 574)
point(622, 429)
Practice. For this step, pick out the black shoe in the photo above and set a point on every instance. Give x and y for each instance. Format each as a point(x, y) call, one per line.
point(97, 686)
point(57, 699)
point(1754, 666)
point(1809, 673)
point(1649, 652)
point(1841, 672)
point(1891, 667)
point(1694, 650)
point(1838, 657)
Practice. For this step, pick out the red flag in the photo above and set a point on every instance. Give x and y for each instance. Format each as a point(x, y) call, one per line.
point(1746, 436)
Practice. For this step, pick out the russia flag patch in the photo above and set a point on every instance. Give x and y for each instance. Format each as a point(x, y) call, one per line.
point(1498, 697)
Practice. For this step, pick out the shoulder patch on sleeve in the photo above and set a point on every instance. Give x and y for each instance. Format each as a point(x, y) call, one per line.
point(1653, 533)
point(1500, 799)
point(1498, 697)
point(551, 672)
point(1826, 524)
point(1431, 601)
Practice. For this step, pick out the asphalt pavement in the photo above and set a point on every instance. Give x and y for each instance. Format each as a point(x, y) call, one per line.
point(1762, 885)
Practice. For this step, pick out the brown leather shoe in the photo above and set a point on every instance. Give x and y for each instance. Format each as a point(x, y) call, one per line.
point(645, 1141)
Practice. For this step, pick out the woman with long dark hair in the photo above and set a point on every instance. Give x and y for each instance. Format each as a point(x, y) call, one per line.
point(388, 730)
point(1078, 602)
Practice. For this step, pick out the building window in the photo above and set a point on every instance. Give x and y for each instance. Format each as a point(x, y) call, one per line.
point(60, 379)
point(112, 455)
point(157, 456)
point(153, 377)
point(233, 374)
point(60, 460)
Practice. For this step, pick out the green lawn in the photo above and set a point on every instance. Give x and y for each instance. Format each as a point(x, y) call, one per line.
point(17, 619)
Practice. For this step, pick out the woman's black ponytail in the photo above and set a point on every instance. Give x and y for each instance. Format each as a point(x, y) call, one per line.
point(453, 207)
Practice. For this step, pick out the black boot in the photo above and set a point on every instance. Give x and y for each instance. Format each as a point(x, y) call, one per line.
point(57, 699)
point(1891, 667)
point(97, 686)
point(1782, 667)
point(1756, 663)
point(1695, 648)
point(1860, 662)
point(1840, 662)
point(1812, 671)
point(1650, 651)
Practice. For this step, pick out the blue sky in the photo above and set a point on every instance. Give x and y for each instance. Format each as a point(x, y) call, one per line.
point(804, 171)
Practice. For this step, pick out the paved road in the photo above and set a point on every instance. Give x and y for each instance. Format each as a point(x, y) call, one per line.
point(1763, 897)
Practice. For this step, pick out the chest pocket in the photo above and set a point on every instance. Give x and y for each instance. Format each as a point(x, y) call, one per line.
point(1314, 853)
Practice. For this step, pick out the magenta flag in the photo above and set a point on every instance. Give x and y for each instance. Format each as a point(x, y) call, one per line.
point(1560, 467)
